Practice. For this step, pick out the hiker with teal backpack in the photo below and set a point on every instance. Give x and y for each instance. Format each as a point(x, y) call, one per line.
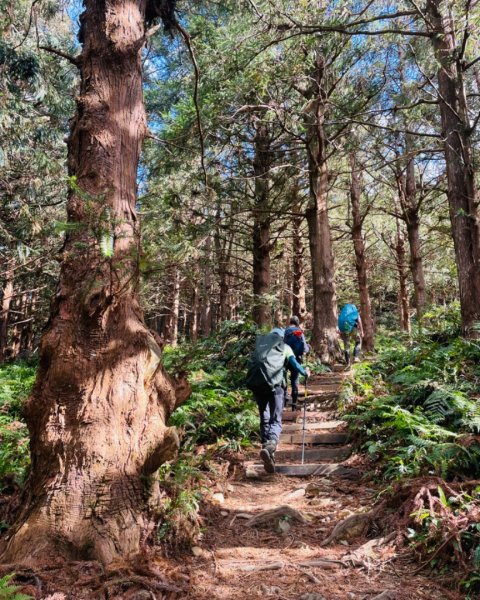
point(351, 331)
point(295, 338)
point(266, 379)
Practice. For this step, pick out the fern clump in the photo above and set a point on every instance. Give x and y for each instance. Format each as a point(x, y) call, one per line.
point(418, 404)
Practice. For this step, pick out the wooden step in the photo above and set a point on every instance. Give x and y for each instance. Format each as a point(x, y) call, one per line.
point(319, 397)
point(290, 415)
point(314, 454)
point(314, 438)
point(307, 470)
point(312, 426)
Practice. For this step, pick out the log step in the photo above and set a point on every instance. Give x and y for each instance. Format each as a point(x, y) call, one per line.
point(314, 438)
point(312, 426)
point(314, 454)
point(307, 470)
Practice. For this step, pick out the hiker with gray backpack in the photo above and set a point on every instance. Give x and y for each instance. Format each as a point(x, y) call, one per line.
point(351, 331)
point(295, 338)
point(266, 379)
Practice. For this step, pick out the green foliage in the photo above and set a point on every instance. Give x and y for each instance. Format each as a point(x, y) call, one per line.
point(419, 406)
point(8, 591)
point(16, 382)
point(218, 410)
point(182, 483)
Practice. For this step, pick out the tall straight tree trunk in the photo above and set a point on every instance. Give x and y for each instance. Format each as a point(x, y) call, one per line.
point(403, 300)
point(262, 310)
point(410, 208)
point(98, 410)
point(223, 251)
point(299, 305)
point(462, 192)
point(360, 256)
point(194, 315)
point(174, 309)
point(324, 334)
point(7, 296)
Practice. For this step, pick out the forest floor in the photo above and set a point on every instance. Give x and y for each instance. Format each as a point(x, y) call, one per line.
point(270, 536)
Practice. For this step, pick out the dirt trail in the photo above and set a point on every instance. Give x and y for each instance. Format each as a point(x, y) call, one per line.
point(288, 554)
point(285, 557)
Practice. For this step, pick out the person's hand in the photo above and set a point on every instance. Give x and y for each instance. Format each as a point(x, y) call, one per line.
point(307, 371)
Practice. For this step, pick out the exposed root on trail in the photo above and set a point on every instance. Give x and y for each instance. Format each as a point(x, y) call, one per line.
point(280, 512)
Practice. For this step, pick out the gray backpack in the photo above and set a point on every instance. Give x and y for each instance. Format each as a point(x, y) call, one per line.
point(265, 367)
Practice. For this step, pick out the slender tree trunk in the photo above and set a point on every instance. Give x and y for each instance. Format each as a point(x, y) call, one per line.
point(324, 333)
point(195, 307)
point(206, 300)
point(360, 256)
point(410, 208)
point(299, 305)
point(223, 251)
point(462, 192)
point(98, 410)
point(6, 302)
point(403, 300)
point(174, 308)
point(262, 311)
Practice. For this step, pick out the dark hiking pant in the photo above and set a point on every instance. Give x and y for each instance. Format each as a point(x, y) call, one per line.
point(270, 407)
point(294, 380)
point(352, 337)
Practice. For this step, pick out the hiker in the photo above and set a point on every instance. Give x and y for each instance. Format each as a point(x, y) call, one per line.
point(265, 378)
point(351, 331)
point(295, 338)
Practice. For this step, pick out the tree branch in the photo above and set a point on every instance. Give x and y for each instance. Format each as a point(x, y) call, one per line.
point(75, 60)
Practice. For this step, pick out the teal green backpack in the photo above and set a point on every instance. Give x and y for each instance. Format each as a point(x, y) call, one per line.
point(265, 367)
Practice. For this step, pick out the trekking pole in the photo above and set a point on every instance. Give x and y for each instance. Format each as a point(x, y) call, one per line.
point(304, 420)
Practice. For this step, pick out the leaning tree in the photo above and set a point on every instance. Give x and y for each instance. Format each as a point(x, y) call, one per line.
point(97, 415)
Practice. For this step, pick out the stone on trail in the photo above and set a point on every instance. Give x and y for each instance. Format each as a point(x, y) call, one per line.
point(312, 596)
point(218, 498)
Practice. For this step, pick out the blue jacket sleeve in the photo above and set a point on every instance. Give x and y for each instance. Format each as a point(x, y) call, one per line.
point(292, 361)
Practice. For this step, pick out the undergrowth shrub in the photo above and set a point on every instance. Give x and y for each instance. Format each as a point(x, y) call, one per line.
point(219, 416)
point(416, 411)
point(16, 381)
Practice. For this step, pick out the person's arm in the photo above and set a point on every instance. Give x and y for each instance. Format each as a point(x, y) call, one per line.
point(292, 361)
point(306, 347)
point(360, 326)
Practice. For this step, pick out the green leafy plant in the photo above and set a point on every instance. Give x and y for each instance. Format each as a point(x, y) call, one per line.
point(9, 591)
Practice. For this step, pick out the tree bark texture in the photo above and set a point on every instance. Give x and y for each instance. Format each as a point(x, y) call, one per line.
point(98, 410)
point(206, 297)
point(462, 192)
point(403, 300)
point(7, 296)
point(410, 207)
point(360, 255)
point(299, 305)
point(324, 331)
point(262, 309)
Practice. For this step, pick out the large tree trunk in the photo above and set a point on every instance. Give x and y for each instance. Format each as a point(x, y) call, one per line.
point(324, 331)
point(462, 192)
point(360, 256)
point(101, 400)
point(6, 302)
point(262, 309)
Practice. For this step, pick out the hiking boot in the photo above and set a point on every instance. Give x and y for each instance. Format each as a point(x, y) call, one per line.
point(267, 454)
